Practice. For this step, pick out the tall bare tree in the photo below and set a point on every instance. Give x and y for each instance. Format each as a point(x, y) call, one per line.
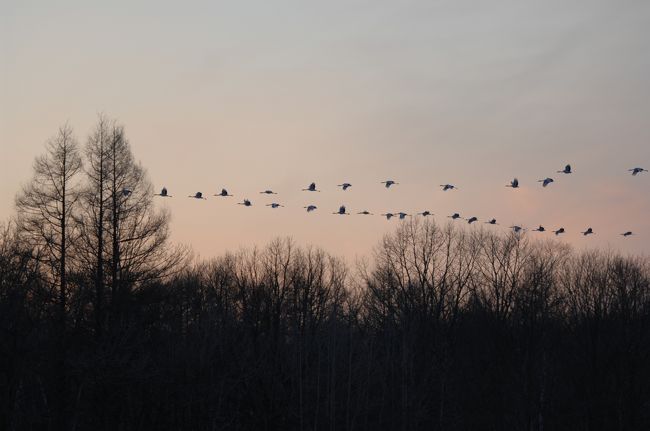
point(126, 237)
point(45, 207)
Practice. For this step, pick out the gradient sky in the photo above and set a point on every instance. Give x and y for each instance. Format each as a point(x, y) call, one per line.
point(251, 95)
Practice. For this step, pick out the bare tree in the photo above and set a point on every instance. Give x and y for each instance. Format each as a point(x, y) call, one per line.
point(126, 237)
point(45, 207)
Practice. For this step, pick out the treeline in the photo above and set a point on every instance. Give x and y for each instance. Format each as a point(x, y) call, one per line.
point(105, 325)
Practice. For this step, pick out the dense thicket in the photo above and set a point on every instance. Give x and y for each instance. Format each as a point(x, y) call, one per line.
point(445, 328)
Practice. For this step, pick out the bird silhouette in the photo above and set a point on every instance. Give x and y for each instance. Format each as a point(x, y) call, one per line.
point(126, 192)
point(446, 187)
point(628, 233)
point(636, 171)
point(274, 205)
point(517, 228)
point(540, 229)
point(425, 213)
point(589, 231)
point(197, 195)
point(365, 212)
point(163, 193)
point(403, 215)
point(341, 211)
point(224, 193)
point(246, 203)
point(471, 220)
point(545, 182)
point(559, 231)
point(566, 170)
point(310, 208)
point(389, 183)
point(492, 221)
point(345, 186)
point(388, 215)
point(268, 192)
point(514, 184)
point(311, 188)
point(454, 216)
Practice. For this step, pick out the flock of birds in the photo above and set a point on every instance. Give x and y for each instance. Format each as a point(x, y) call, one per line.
point(514, 184)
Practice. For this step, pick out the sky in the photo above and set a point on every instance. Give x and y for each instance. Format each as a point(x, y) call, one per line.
point(255, 95)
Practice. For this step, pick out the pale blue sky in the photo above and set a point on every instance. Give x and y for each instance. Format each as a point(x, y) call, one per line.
point(276, 94)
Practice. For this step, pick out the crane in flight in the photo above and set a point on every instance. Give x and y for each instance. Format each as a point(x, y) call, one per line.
point(274, 205)
point(311, 188)
point(426, 213)
point(540, 229)
point(514, 184)
point(197, 195)
point(388, 216)
point(454, 216)
point(516, 228)
point(163, 193)
point(310, 208)
point(403, 215)
point(446, 187)
point(126, 192)
point(628, 233)
point(268, 192)
point(344, 186)
point(472, 220)
point(246, 203)
point(365, 212)
point(546, 181)
point(389, 183)
point(341, 211)
point(566, 170)
point(589, 231)
point(636, 171)
point(492, 221)
point(559, 231)
point(223, 193)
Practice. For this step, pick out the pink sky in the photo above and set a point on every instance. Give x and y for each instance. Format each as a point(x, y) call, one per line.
point(264, 95)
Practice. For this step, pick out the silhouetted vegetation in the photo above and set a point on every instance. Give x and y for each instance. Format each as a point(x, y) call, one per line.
point(105, 325)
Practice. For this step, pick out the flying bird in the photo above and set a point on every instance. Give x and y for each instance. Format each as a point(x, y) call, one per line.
point(365, 212)
point(274, 205)
point(514, 184)
point(341, 211)
point(559, 231)
point(268, 192)
point(311, 188)
point(197, 195)
point(636, 171)
point(425, 213)
point(454, 216)
point(163, 193)
point(545, 182)
point(492, 221)
point(516, 228)
point(589, 231)
point(540, 229)
point(566, 170)
point(126, 192)
point(310, 208)
point(402, 215)
point(345, 186)
point(628, 233)
point(224, 193)
point(246, 203)
point(446, 187)
point(471, 220)
point(388, 215)
point(389, 183)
